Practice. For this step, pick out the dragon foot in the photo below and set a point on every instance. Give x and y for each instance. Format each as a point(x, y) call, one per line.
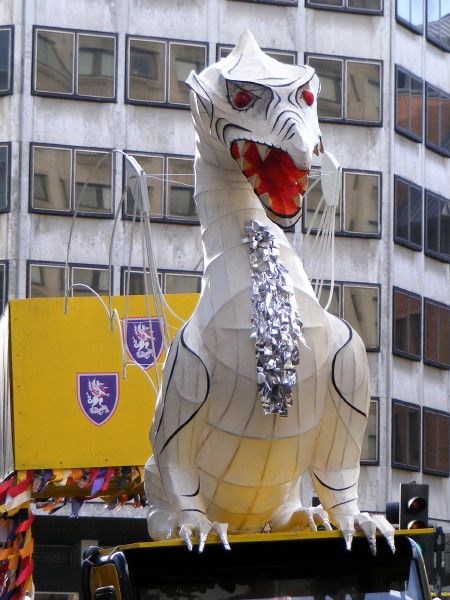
point(164, 525)
point(368, 524)
point(201, 530)
point(302, 518)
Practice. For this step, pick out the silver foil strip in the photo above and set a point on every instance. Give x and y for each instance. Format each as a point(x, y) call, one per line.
point(276, 326)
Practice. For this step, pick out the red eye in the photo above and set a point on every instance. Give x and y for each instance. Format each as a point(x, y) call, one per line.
point(308, 97)
point(242, 99)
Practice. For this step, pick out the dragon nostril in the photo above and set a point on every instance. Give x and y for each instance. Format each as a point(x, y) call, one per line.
point(308, 97)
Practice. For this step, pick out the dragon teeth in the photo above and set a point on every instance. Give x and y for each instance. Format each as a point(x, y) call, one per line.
point(265, 199)
point(253, 180)
point(241, 146)
point(263, 151)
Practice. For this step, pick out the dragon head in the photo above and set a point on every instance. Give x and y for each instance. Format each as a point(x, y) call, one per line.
point(264, 113)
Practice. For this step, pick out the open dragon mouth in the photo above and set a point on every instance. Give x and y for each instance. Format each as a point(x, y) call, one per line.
point(273, 175)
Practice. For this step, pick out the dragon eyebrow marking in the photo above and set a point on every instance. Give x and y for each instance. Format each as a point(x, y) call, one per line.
point(333, 488)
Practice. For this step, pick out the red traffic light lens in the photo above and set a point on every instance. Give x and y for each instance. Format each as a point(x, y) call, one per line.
point(417, 504)
point(417, 525)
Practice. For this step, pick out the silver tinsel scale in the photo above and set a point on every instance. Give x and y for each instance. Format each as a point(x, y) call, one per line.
point(277, 328)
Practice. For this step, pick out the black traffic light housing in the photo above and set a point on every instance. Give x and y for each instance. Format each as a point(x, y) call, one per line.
point(413, 506)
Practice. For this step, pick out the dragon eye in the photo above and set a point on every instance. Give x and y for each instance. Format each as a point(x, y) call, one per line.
point(308, 97)
point(242, 99)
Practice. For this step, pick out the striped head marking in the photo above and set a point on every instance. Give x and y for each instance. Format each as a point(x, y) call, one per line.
point(264, 113)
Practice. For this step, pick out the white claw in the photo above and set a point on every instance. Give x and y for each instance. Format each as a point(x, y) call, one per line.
point(348, 537)
point(221, 529)
point(185, 533)
point(204, 528)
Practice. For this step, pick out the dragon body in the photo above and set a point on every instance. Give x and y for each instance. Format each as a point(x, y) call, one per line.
point(256, 390)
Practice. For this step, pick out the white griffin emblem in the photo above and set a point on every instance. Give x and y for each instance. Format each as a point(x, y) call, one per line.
point(141, 340)
point(97, 392)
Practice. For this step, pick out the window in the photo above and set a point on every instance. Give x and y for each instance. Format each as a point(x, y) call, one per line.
point(437, 226)
point(170, 184)
point(407, 213)
point(408, 104)
point(6, 52)
point(363, 6)
point(438, 23)
point(406, 425)
point(351, 89)
point(47, 280)
point(3, 285)
point(171, 282)
point(407, 324)
point(158, 69)
point(359, 305)
point(436, 436)
point(370, 445)
point(410, 14)
point(288, 57)
point(74, 64)
point(66, 179)
point(5, 170)
point(436, 334)
point(280, 2)
point(359, 213)
point(438, 120)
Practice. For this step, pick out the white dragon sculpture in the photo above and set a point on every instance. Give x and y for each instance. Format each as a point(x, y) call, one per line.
point(259, 347)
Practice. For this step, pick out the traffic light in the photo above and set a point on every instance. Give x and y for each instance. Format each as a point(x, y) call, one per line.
point(413, 506)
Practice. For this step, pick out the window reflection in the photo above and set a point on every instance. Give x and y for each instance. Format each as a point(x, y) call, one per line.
point(154, 171)
point(437, 231)
point(4, 177)
point(182, 60)
point(362, 202)
point(411, 11)
point(96, 66)
point(361, 310)
point(369, 449)
point(54, 62)
point(97, 279)
point(93, 181)
point(51, 178)
point(175, 283)
point(438, 22)
point(147, 77)
point(330, 72)
point(409, 103)
point(405, 435)
point(181, 189)
point(407, 324)
point(46, 281)
point(408, 212)
point(363, 91)
point(5, 60)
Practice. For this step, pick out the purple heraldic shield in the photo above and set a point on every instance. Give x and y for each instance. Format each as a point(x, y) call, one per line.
point(143, 339)
point(98, 395)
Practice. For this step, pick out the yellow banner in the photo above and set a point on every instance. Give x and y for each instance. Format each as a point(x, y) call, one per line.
point(71, 406)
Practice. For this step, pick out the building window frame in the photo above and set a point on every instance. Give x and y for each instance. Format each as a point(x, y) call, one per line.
point(435, 332)
point(436, 437)
point(275, 53)
point(72, 267)
point(374, 414)
point(74, 94)
point(166, 186)
point(345, 61)
point(4, 279)
point(408, 23)
point(407, 132)
point(7, 186)
point(341, 213)
point(441, 237)
point(8, 89)
point(412, 432)
point(410, 209)
point(162, 277)
point(72, 183)
point(442, 96)
point(167, 43)
point(436, 41)
point(407, 333)
point(346, 8)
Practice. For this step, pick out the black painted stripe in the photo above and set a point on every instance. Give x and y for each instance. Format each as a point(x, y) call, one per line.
point(332, 488)
point(341, 503)
point(168, 382)
point(170, 438)
point(193, 510)
point(361, 412)
point(196, 493)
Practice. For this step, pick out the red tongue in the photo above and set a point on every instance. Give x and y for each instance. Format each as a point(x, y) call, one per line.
point(277, 176)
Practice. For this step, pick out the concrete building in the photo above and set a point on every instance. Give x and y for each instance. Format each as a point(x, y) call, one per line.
point(79, 79)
